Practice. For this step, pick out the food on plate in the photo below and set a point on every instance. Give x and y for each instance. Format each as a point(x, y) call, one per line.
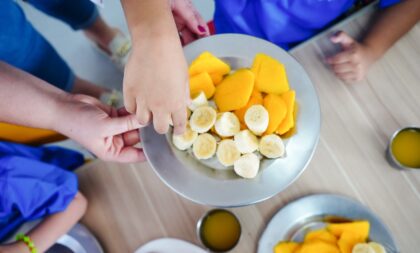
point(202, 82)
point(203, 119)
point(271, 146)
point(206, 62)
point(256, 119)
point(246, 141)
point(199, 100)
point(234, 91)
point(241, 115)
point(185, 140)
point(270, 75)
point(227, 124)
point(227, 152)
point(247, 165)
point(277, 110)
point(204, 146)
point(347, 237)
point(288, 122)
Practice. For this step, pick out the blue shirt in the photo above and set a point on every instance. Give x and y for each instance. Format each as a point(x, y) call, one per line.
point(283, 22)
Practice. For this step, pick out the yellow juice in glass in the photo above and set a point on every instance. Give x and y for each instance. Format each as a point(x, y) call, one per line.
point(405, 147)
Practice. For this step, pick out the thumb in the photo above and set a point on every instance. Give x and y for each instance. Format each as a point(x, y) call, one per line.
point(342, 38)
point(122, 124)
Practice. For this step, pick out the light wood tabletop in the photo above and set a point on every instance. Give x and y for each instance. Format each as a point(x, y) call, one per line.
point(130, 206)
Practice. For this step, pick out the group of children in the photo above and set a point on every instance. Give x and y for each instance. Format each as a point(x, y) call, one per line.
point(38, 88)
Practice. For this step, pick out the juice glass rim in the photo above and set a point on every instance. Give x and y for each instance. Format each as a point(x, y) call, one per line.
point(390, 155)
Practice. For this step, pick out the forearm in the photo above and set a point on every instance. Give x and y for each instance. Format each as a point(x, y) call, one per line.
point(390, 25)
point(149, 18)
point(27, 100)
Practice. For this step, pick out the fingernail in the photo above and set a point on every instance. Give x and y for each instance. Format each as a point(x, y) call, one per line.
point(201, 29)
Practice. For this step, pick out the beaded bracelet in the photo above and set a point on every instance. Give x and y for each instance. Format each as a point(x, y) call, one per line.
point(27, 240)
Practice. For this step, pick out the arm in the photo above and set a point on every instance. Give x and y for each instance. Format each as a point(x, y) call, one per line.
point(156, 77)
point(391, 24)
point(29, 101)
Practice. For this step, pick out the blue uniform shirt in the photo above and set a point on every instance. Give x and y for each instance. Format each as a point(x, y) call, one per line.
point(283, 22)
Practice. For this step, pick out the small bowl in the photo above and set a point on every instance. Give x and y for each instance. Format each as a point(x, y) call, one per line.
point(390, 156)
point(200, 224)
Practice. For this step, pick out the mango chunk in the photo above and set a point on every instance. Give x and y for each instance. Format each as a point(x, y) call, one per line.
point(322, 235)
point(347, 241)
point(318, 247)
point(202, 82)
point(288, 122)
point(216, 78)
point(293, 130)
point(234, 91)
point(270, 75)
point(286, 247)
point(277, 110)
point(359, 229)
point(206, 62)
point(240, 113)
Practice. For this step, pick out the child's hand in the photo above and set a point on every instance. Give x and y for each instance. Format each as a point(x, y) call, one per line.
point(107, 132)
point(353, 62)
point(189, 22)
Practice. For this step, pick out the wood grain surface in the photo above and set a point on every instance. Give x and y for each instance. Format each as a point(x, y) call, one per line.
point(129, 205)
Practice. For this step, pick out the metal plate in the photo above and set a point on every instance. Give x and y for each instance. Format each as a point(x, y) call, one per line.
point(293, 221)
point(169, 245)
point(199, 183)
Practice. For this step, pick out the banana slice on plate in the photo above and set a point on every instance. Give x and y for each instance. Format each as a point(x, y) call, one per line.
point(271, 146)
point(362, 248)
point(227, 152)
point(256, 119)
point(227, 124)
point(202, 119)
point(184, 141)
point(246, 142)
point(247, 166)
point(204, 146)
point(377, 247)
point(197, 101)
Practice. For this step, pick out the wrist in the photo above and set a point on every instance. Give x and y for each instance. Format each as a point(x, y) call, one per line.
point(373, 51)
point(61, 113)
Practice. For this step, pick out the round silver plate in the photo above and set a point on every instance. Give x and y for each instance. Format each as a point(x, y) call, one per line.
point(200, 183)
point(293, 221)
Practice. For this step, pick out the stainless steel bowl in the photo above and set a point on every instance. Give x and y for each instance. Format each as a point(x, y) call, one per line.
point(390, 156)
point(200, 223)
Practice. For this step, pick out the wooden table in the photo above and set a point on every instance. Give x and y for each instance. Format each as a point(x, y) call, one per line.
point(129, 205)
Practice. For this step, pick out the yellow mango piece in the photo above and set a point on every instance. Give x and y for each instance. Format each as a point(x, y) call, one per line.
point(318, 247)
point(360, 229)
point(286, 247)
point(277, 110)
point(202, 82)
point(293, 130)
point(240, 113)
point(206, 62)
point(347, 241)
point(234, 91)
point(216, 78)
point(255, 93)
point(270, 75)
point(322, 235)
point(288, 122)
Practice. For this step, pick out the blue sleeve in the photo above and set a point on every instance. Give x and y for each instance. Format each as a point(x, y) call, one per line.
point(387, 3)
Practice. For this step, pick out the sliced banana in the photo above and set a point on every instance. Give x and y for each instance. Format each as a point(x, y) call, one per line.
point(197, 101)
point(227, 124)
point(246, 142)
point(256, 119)
point(247, 166)
point(202, 119)
point(204, 146)
point(362, 248)
point(271, 146)
point(185, 140)
point(227, 152)
point(377, 247)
